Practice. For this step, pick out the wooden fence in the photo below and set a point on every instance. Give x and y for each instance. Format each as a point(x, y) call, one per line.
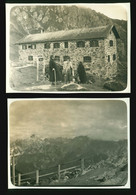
point(36, 174)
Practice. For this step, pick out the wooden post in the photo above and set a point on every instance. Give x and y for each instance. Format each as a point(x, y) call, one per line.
point(13, 170)
point(19, 179)
point(44, 67)
point(37, 78)
point(82, 165)
point(54, 75)
point(58, 172)
point(37, 177)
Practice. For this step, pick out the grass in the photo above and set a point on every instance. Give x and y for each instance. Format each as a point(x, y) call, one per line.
point(24, 79)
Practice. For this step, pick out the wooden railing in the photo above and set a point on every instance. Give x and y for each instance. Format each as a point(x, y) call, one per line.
point(36, 174)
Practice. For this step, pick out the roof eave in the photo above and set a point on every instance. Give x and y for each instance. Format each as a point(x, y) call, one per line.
point(57, 40)
point(115, 32)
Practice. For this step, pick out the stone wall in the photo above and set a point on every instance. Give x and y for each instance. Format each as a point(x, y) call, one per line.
point(111, 66)
point(98, 66)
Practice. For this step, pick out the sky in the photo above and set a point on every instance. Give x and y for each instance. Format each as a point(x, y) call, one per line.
point(114, 11)
point(98, 119)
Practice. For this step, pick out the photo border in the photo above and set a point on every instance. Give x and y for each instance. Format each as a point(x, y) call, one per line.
point(126, 100)
point(8, 8)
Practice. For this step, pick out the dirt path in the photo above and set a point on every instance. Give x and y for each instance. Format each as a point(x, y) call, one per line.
point(88, 179)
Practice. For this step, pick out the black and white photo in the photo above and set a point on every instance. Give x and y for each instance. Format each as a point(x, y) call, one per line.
point(70, 143)
point(68, 47)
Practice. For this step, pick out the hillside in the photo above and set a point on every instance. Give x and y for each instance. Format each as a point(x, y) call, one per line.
point(26, 20)
point(31, 19)
point(46, 154)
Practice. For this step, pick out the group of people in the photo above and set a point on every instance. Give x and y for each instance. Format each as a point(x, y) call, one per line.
point(66, 72)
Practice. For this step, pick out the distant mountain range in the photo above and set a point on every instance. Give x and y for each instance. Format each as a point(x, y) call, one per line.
point(36, 153)
point(31, 19)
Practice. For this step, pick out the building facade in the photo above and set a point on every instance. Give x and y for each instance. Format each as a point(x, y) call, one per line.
point(95, 47)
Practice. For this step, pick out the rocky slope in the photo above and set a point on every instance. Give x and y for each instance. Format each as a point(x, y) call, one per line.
point(46, 154)
point(31, 19)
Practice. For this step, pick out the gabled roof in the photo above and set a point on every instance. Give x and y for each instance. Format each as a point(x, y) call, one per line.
point(75, 34)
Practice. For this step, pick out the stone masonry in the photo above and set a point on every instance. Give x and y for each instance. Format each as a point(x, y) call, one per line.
point(103, 57)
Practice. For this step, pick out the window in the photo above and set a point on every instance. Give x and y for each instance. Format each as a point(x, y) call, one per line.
point(111, 43)
point(94, 43)
point(108, 58)
point(56, 45)
point(30, 58)
point(47, 46)
point(114, 57)
point(29, 46)
point(24, 46)
point(87, 59)
point(40, 59)
point(57, 58)
point(80, 44)
point(33, 46)
point(66, 44)
point(66, 57)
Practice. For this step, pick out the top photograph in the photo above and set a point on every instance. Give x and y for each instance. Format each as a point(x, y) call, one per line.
point(68, 48)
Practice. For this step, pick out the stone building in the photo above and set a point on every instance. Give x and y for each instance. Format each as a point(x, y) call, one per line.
point(95, 47)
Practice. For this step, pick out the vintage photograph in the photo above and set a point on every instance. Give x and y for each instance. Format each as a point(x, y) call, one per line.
point(79, 143)
point(68, 47)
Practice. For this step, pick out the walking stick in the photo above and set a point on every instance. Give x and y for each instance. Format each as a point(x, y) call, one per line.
point(54, 75)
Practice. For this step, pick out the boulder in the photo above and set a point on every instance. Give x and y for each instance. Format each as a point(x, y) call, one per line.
point(113, 86)
point(73, 87)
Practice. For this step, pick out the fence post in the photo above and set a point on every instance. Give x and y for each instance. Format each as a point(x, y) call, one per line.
point(58, 172)
point(37, 177)
point(19, 179)
point(13, 169)
point(54, 72)
point(82, 165)
point(44, 68)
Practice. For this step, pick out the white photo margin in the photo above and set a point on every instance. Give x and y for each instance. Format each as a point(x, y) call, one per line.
point(126, 100)
point(10, 90)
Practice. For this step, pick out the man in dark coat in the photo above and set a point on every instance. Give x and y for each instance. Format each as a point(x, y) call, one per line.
point(54, 71)
point(81, 73)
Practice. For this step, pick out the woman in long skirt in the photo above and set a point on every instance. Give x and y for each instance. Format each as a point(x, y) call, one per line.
point(81, 73)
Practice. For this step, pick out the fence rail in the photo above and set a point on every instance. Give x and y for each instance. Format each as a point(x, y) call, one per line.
point(28, 173)
point(37, 176)
point(68, 168)
point(47, 174)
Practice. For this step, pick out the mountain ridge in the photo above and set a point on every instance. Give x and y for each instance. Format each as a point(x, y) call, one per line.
point(43, 153)
point(31, 19)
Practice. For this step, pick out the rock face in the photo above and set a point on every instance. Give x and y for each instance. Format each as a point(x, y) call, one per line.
point(26, 20)
point(99, 157)
point(30, 19)
point(113, 86)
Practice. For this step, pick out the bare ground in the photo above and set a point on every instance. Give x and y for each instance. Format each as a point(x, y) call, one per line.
point(24, 79)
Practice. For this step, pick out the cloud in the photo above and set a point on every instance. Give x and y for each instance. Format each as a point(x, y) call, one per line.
point(55, 118)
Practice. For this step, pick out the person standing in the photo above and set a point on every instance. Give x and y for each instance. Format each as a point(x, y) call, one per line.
point(52, 70)
point(68, 71)
point(81, 73)
point(59, 72)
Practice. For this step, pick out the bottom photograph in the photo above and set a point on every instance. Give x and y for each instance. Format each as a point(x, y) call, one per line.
point(68, 143)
